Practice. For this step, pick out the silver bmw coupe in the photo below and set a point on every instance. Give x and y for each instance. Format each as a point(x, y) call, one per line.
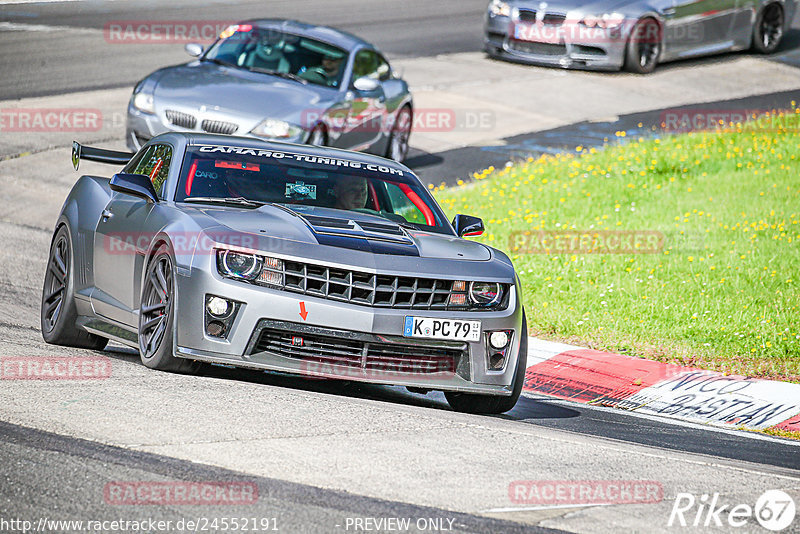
point(280, 80)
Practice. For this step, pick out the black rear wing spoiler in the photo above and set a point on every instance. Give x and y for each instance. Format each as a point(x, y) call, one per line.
point(99, 155)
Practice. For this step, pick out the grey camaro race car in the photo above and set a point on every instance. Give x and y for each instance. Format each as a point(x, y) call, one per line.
point(635, 34)
point(292, 258)
point(281, 80)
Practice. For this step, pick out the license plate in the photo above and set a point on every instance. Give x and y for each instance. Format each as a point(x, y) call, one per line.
point(539, 33)
point(431, 328)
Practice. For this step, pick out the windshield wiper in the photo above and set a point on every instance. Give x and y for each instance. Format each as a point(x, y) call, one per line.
point(287, 75)
point(220, 62)
point(236, 201)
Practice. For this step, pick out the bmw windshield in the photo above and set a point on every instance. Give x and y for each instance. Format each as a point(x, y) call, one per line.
point(279, 53)
point(251, 177)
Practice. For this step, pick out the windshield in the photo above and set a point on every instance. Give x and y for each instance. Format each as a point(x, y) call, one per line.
point(234, 175)
point(277, 52)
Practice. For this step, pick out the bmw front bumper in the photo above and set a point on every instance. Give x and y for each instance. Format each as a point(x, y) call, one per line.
point(141, 126)
point(568, 46)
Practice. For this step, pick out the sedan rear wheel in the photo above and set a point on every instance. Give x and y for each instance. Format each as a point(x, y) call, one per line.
point(768, 30)
point(644, 47)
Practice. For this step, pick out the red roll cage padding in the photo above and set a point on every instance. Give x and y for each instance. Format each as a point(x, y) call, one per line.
point(156, 168)
point(190, 178)
point(374, 195)
point(430, 220)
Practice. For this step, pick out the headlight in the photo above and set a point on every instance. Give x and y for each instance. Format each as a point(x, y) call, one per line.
point(274, 128)
point(485, 293)
point(499, 9)
point(239, 265)
point(262, 270)
point(144, 102)
point(607, 21)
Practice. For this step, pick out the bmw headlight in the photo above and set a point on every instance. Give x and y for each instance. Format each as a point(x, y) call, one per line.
point(485, 293)
point(239, 265)
point(144, 102)
point(605, 21)
point(498, 8)
point(274, 128)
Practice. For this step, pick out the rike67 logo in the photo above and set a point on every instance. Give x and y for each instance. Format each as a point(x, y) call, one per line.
point(774, 510)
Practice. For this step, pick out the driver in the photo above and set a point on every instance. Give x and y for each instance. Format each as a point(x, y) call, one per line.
point(351, 193)
point(330, 67)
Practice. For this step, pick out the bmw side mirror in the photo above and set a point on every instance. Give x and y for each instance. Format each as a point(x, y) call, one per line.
point(366, 84)
point(467, 225)
point(137, 185)
point(194, 49)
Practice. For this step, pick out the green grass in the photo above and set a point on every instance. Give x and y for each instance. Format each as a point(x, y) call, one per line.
point(722, 291)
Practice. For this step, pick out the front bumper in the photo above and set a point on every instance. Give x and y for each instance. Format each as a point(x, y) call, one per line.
point(141, 126)
point(343, 327)
point(566, 46)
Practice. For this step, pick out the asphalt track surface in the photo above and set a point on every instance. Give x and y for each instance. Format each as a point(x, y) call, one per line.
point(69, 468)
point(45, 474)
point(46, 61)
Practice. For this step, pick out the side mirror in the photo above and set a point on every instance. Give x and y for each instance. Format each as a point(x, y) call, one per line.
point(194, 49)
point(467, 225)
point(366, 84)
point(137, 185)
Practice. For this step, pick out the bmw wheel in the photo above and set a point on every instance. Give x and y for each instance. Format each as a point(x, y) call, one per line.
point(487, 404)
point(644, 47)
point(768, 29)
point(401, 132)
point(317, 136)
point(58, 311)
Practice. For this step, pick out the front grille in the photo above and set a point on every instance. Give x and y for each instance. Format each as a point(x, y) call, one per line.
point(320, 350)
point(527, 15)
point(554, 19)
point(219, 127)
point(538, 49)
point(365, 288)
point(179, 118)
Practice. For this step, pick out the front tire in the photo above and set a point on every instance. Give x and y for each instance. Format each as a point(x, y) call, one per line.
point(644, 47)
point(401, 132)
point(157, 315)
point(768, 29)
point(488, 404)
point(58, 312)
point(317, 137)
